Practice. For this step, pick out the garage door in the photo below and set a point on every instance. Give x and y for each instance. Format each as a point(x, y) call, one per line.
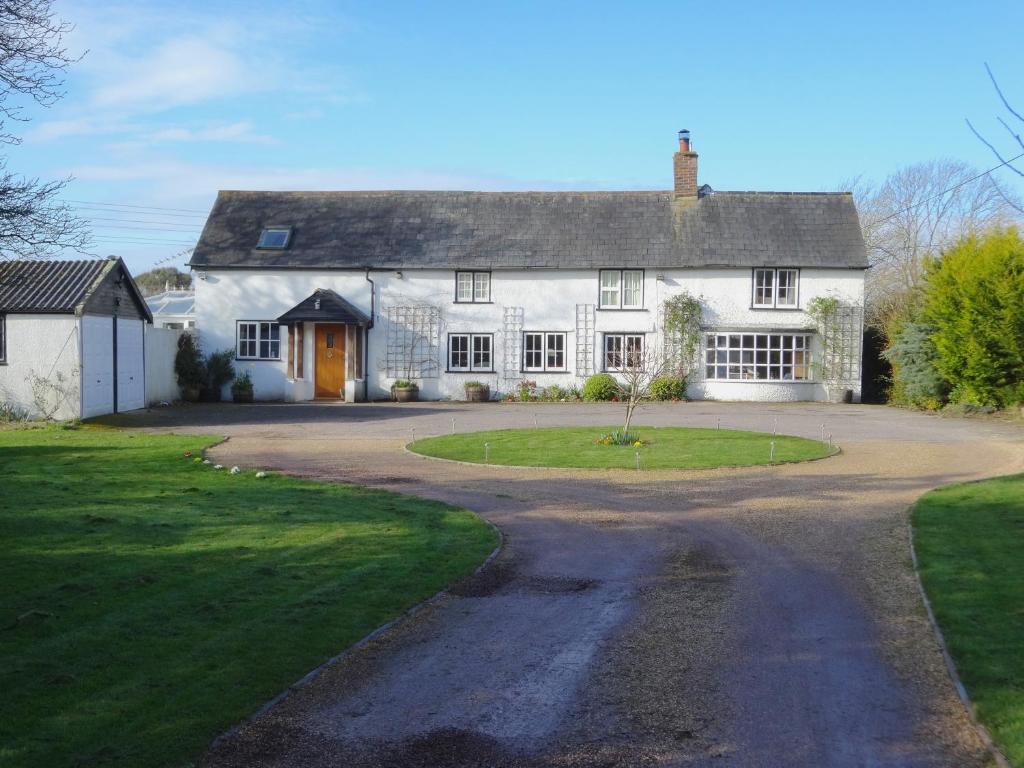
point(131, 365)
point(97, 365)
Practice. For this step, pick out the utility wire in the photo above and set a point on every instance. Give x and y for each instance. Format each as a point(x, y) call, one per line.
point(947, 191)
point(143, 207)
point(161, 214)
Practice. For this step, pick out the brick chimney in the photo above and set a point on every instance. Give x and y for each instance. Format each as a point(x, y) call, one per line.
point(684, 166)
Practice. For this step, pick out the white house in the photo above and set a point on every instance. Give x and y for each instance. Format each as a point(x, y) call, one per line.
point(72, 338)
point(328, 294)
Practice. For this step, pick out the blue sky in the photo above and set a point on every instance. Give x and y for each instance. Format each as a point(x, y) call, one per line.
point(174, 101)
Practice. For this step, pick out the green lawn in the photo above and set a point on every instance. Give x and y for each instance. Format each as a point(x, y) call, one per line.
point(664, 448)
point(148, 602)
point(970, 546)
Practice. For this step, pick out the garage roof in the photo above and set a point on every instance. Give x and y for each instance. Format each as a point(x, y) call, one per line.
point(59, 287)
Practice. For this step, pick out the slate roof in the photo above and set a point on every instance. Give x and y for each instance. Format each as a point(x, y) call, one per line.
point(332, 308)
point(49, 286)
point(509, 230)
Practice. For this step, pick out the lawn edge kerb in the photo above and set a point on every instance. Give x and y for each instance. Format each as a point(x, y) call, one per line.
point(408, 613)
point(947, 657)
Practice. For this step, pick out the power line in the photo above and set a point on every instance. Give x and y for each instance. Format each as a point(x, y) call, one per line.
point(175, 230)
point(947, 191)
point(139, 239)
point(142, 207)
point(140, 213)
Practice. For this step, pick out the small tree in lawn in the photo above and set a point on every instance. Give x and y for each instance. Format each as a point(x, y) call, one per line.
point(641, 365)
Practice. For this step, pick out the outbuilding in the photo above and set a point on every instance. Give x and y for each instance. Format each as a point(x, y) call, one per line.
point(72, 338)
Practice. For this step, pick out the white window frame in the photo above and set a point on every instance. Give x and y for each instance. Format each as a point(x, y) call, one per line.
point(472, 287)
point(258, 333)
point(624, 342)
point(772, 300)
point(611, 288)
point(472, 341)
point(773, 357)
point(550, 342)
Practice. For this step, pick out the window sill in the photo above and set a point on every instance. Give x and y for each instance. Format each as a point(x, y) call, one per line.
point(548, 370)
point(258, 359)
point(462, 370)
point(472, 302)
point(775, 309)
point(622, 309)
point(761, 381)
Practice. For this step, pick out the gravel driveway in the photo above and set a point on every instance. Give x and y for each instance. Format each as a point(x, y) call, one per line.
point(743, 617)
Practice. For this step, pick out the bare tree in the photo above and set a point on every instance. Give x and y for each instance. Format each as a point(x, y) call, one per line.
point(1009, 124)
point(915, 213)
point(33, 60)
point(640, 366)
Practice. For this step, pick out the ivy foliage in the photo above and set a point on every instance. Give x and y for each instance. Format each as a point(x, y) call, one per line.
point(682, 314)
point(974, 301)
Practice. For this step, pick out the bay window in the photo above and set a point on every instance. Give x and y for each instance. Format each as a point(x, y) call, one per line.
point(758, 356)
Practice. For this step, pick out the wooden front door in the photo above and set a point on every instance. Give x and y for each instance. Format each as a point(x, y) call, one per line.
point(330, 359)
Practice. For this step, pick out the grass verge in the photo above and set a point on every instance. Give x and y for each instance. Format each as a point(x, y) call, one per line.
point(149, 601)
point(663, 448)
point(970, 547)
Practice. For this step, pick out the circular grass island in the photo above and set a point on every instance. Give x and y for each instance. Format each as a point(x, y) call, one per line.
point(582, 448)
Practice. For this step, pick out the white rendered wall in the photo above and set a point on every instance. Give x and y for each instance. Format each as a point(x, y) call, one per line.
point(548, 299)
point(44, 345)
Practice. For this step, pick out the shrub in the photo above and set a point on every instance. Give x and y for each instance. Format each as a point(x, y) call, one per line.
point(668, 388)
point(404, 384)
point(526, 391)
point(573, 393)
point(188, 363)
point(601, 387)
point(620, 437)
point(220, 368)
point(916, 381)
point(553, 394)
point(241, 387)
point(973, 301)
point(474, 385)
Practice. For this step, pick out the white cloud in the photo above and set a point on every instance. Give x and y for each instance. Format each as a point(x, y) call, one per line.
point(241, 132)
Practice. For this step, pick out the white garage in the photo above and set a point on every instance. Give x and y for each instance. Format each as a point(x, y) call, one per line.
point(72, 338)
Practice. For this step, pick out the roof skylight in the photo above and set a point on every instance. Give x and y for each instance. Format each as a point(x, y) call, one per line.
point(275, 237)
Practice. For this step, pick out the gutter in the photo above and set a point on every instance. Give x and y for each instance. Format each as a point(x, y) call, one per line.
point(366, 341)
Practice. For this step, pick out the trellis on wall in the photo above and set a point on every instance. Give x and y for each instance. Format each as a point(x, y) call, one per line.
point(512, 336)
point(585, 328)
point(413, 341)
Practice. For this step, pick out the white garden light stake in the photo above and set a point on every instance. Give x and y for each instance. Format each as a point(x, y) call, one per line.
point(535, 421)
point(719, 423)
point(830, 441)
point(413, 431)
point(638, 461)
point(453, 425)
point(771, 454)
point(823, 433)
point(487, 453)
point(775, 426)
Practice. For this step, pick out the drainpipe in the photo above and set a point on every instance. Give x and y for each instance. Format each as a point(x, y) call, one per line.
point(366, 341)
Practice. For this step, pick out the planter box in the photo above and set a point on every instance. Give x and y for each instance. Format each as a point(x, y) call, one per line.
point(242, 397)
point(478, 394)
point(209, 395)
point(406, 394)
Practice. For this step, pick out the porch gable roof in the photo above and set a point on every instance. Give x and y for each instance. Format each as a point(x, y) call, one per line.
point(325, 306)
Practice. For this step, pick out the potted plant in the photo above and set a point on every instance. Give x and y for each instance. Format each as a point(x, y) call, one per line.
point(219, 371)
point(189, 367)
point(241, 388)
point(477, 392)
point(405, 391)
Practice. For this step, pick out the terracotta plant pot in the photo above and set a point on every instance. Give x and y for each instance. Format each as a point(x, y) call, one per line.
point(406, 394)
point(478, 394)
